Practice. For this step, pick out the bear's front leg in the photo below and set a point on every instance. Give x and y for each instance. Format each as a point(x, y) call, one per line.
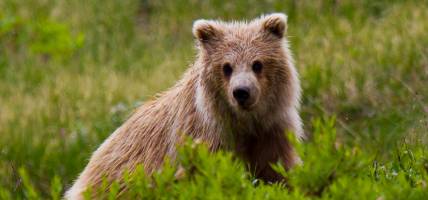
point(264, 150)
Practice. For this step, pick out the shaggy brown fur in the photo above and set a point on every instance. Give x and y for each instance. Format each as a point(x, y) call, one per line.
point(203, 106)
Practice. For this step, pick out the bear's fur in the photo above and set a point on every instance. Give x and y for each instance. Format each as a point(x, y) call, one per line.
point(203, 105)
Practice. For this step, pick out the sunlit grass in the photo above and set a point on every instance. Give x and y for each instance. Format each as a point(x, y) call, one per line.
point(365, 62)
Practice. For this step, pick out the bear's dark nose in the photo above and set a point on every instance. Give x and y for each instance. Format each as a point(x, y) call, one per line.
point(241, 95)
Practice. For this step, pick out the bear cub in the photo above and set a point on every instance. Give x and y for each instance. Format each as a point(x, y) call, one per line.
point(241, 94)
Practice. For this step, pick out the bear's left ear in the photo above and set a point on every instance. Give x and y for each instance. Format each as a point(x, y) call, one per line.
point(206, 31)
point(275, 24)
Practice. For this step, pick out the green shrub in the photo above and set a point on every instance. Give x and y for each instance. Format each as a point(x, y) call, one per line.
point(39, 36)
point(330, 170)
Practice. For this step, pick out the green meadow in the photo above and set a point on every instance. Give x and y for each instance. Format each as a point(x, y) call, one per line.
point(72, 71)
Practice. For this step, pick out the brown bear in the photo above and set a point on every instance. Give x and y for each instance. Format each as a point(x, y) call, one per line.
point(241, 94)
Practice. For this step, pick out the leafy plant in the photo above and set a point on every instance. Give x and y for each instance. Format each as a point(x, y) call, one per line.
point(329, 170)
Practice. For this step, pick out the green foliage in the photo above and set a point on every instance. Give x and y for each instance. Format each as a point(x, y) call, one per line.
point(54, 39)
point(330, 171)
point(56, 188)
point(338, 160)
point(30, 191)
point(72, 71)
point(41, 37)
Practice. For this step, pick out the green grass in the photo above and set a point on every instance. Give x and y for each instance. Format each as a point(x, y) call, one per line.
point(72, 71)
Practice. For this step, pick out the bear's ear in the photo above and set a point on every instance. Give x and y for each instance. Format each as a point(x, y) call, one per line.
point(206, 31)
point(275, 24)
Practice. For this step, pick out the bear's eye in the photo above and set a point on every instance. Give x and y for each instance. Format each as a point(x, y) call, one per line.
point(227, 69)
point(257, 66)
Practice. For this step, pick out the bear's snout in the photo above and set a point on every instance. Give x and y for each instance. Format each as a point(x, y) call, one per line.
point(241, 95)
point(244, 91)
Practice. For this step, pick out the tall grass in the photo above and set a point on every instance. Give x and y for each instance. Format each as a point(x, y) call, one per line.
point(72, 71)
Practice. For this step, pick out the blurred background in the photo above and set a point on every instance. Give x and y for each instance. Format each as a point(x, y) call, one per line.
point(72, 71)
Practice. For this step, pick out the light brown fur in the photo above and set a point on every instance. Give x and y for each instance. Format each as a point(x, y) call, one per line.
point(201, 106)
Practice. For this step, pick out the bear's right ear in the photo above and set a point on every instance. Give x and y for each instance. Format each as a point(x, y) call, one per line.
point(275, 24)
point(206, 31)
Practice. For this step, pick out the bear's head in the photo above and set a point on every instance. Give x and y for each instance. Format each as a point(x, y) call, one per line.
point(245, 63)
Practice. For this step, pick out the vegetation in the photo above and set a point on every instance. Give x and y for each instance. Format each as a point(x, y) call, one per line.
point(72, 71)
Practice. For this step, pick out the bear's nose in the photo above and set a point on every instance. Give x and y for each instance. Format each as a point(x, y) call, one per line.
point(241, 94)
